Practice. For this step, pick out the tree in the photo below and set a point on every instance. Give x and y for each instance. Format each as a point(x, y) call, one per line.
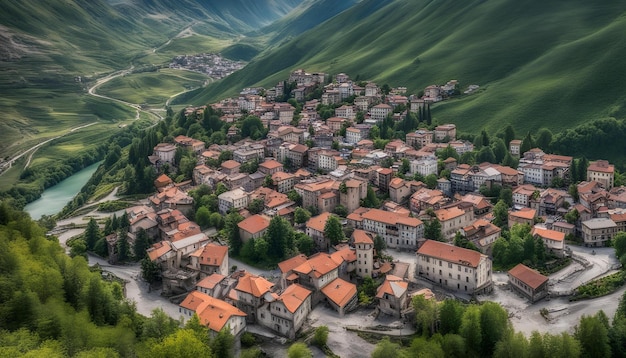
point(471, 330)
point(304, 243)
point(142, 243)
point(123, 248)
point(593, 337)
point(501, 214)
point(425, 315)
point(509, 161)
point(385, 349)
point(450, 316)
point(494, 325)
point(183, 344)
point(223, 344)
point(279, 237)
point(92, 233)
point(379, 244)
point(544, 139)
point(371, 200)
point(78, 248)
point(509, 134)
point(321, 336)
point(506, 195)
point(333, 230)
point(341, 211)
point(295, 197)
point(499, 150)
point(203, 217)
point(150, 270)
point(527, 144)
point(231, 230)
point(299, 350)
point(512, 345)
point(432, 230)
point(431, 181)
point(256, 206)
point(301, 215)
point(486, 155)
point(619, 243)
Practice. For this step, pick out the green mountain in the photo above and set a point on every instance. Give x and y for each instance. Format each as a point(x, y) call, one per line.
point(555, 64)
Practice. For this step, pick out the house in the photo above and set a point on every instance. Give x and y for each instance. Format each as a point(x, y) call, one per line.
point(523, 216)
point(230, 167)
point(236, 198)
point(453, 219)
point(210, 259)
point(317, 271)
point(528, 282)
point(445, 131)
point(455, 268)
point(165, 152)
point(602, 172)
point(523, 194)
point(598, 231)
point(353, 135)
point(211, 285)
point(365, 253)
point(251, 293)
point(554, 240)
point(288, 311)
point(213, 313)
point(352, 191)
point(335, 123)
point(287, 276)
point(482, 233)
point(398, 230)
point(419, 138)
point(195, 145)
point(253, 227)
point(162, 181)
point(346, 112)
point(315, 230)
point(380, 112)
point(424, 166)
point(392, 296)
point(284, 182)
point(514, 147)
point(270, 167)
point(171, 198)
point(341, 295)
point(399, 190)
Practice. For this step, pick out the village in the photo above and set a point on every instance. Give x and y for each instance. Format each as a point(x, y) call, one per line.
point(443, 226)
point(211, 64)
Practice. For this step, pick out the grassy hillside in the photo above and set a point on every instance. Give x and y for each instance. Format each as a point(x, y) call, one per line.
point(555, 64)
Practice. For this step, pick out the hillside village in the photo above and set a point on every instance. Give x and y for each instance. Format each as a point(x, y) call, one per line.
point(319, 157)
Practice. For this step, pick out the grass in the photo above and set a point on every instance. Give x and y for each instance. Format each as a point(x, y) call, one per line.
point(600, 287)
point(522, 55)
point(152, 88)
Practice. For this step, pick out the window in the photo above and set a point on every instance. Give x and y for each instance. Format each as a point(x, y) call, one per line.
point(449, 265)
point(466, 279)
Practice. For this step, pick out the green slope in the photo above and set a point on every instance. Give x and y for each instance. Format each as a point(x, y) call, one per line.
point(554, 64)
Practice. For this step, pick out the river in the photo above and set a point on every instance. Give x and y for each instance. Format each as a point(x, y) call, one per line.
point(56, 197)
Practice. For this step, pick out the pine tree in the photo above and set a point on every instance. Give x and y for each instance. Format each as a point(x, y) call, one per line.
point(92, 234)
point(429, 118)
point(123, 248)
point(142, 243)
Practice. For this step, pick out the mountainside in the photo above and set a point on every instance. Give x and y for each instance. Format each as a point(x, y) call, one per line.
point(555, 64)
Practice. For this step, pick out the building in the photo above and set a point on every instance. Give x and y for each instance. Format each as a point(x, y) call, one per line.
point(602, 172)
point(598, 231)
point(315, 230)
point(230, 167)
point(523, 216)
point(213, 313)
point(398, 231)
point(453, 219)
point(392, 296)
point(554, 240)
point(284, 182)
point(251, 293)
point(165, 152)
point(365, 253)
point(317, 271)
point(514, 147)
point(289, 311)
point(236, 198)
point(253, 227)
point(287, 276)
point(211, 285)
point(353, 135)
point(445, 131)
point(380, 112)
point(528, 282)
point(419, 138)
point(352, 191)
point(210, 259)
point(482, 233)
point(341, 295)
point(270, 167)
point(424, 166)
point(455, 268)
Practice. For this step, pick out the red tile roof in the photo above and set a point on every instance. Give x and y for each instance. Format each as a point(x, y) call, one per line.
point(450, 253)
point(524, 213)
point(212, 312)
point(254, 224)
point(270, 164)
point(548, 234)
point(210, 281)
point(290, 264)
point(361, 237)
point(317, 265)
point(294, 296)
point(339, 291)
point(211, 254)
point(528, 276)
point(394, 286)
point(255, 285)
point(318, 222)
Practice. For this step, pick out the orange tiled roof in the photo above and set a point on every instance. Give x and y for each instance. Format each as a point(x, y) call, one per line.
point(230, 164)
point(318, 222)
point(212, 312)
point(290, 264)
point(211, 254)
point(255, 285)
point(317, 265)
point(393, 285)
point(449, 213)
point(548, 234)
point(528, 276)
point(211, 281)
point(294, 296)
point(361, 237)
point(390, 218)
point(339, 291)
point(450, 253)
point(159, 249)
point(270, 164)
point(524, 213)
point(254, 224)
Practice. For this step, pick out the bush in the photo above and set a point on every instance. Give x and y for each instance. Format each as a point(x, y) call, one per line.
point(248, 339)
point(321, 336)
point(600, 287)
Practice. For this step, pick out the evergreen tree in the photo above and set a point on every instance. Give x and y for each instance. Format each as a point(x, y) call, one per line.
point(432, 230)
point(573, 173)
point(279, 236)
point(527, 144)
point(92, 234)
point(509, 135)
point(582, 168)
point(142, 243)
point(333, 230)
point(123, 248)
point(429, 118)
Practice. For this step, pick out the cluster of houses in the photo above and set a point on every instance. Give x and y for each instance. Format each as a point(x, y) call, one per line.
point(297, 156)
point(211, 64)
